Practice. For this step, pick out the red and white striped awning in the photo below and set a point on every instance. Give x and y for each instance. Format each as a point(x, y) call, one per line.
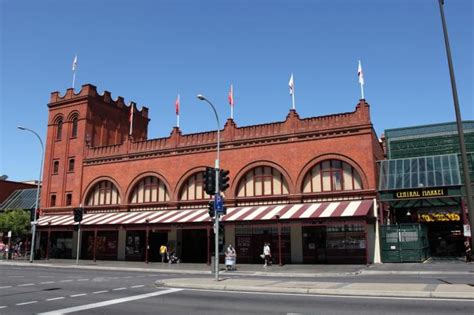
point(355, 208)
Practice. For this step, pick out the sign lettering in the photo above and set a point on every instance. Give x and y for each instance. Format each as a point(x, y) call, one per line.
point(420, 193)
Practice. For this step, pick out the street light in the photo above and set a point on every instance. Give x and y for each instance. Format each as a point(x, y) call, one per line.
point(462, 145)
point(216, 219)
point(33, 230)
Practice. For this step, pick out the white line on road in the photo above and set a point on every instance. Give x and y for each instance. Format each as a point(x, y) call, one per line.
point(127, 277)
point(82, 279)
point(16, 276)
point(47, 282)
point(110, 302)
point(26, 284)
point(56, 298)
point(3, 306)
point(76, 295)
point(119, 289)
point(98, 292)
point(25, 303)
point(5, 287)
point(137, 286)
point(69, 280)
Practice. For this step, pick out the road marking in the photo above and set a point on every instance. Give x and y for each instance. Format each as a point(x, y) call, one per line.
point(26, 284)
point(7, 286)
point(110, 302)
point(69, 280)
point(119, 289)
point(82, 279)
point(97, 292)
point(56, 298)
point(141, 276)
point(25, 303)
point(16, 276)
point(137, 286)
point(127, 277)
point(76, 295)
point(3, 306)
point(47, 282)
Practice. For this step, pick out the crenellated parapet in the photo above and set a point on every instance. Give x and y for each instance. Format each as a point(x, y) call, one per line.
point(89, 91)
point(293, 126)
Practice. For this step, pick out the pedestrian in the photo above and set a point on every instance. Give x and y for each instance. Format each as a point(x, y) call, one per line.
point(267, 254)
point(230, 257)
point(468, 250)
point(163, 252)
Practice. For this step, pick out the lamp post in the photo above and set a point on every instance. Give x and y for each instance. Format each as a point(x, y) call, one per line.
point(33, 229)
point(462, 145)
point(216, 220)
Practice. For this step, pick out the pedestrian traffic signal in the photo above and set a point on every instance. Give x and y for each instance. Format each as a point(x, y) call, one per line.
point(212, 211)
point(223, 180)
point(210, 181)
point(78, 214)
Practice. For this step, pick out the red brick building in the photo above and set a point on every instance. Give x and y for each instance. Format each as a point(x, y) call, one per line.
point(306, 185)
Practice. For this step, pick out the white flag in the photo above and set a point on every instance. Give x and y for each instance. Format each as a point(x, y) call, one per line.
point(360, 74)
point(74, 64)
point(291, 84)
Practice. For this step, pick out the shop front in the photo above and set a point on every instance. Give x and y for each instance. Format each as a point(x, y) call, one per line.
point(427, 191)
point(327, 232)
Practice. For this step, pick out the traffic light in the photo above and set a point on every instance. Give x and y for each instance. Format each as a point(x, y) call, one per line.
point(212, 211)
point(78, 214)
point(223, 179)
point(210, 181)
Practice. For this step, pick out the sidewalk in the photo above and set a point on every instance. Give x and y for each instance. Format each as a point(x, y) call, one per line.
point(303, 271)
point(410, 290)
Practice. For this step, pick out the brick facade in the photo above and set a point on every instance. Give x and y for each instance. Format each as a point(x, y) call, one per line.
point(103, 150)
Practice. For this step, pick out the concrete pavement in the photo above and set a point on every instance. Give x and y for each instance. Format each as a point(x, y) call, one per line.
point(413, 290)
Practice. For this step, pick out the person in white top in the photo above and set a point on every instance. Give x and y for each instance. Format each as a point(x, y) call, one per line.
point(268, 254)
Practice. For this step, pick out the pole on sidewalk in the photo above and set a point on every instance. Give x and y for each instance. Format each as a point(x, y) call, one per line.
point(78, 242)
point(377, 259)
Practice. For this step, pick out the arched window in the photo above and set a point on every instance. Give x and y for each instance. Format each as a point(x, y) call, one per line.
point(149, 189)
point(59, 128)
point(331, 175)
point(103, 193)
point(74, 127)
point(262, 181)
point(193, 188)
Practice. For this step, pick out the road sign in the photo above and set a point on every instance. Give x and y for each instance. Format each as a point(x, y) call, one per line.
point(467, 230)
point(218, 203)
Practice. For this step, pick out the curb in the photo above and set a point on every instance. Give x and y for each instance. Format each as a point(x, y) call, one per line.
point(328, 292)
point(391, 272)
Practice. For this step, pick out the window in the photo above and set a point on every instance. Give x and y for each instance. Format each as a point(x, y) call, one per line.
point(262, 181)
point(55, 167)
point(74, 127)
point(193, 188)
point(331, 175)
point(52, 202)
point(149, 189)
point(71, 165)
point(59, 129)
point(103, 193)
point(68, 199)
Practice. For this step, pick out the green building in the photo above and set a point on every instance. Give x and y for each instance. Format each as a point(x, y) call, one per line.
point(422, 182)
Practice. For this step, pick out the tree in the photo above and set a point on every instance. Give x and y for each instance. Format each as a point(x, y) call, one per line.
point(17, 221)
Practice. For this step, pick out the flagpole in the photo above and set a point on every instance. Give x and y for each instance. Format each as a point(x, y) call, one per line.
point(73, 78)
point(178, 101)
point(293, 99)
point(232, 105)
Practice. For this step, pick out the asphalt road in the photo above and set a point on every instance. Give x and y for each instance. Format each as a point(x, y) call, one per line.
point(30, 290)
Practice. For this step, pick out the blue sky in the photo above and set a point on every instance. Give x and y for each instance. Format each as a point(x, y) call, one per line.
point(149, 51)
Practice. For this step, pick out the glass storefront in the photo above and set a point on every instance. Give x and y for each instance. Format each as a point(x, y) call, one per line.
point(135, 245)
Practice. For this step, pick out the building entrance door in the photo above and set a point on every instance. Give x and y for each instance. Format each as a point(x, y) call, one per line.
point(314, 244)
point(155, 240)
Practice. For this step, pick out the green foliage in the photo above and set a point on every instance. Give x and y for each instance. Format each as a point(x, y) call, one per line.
point(17, 221)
